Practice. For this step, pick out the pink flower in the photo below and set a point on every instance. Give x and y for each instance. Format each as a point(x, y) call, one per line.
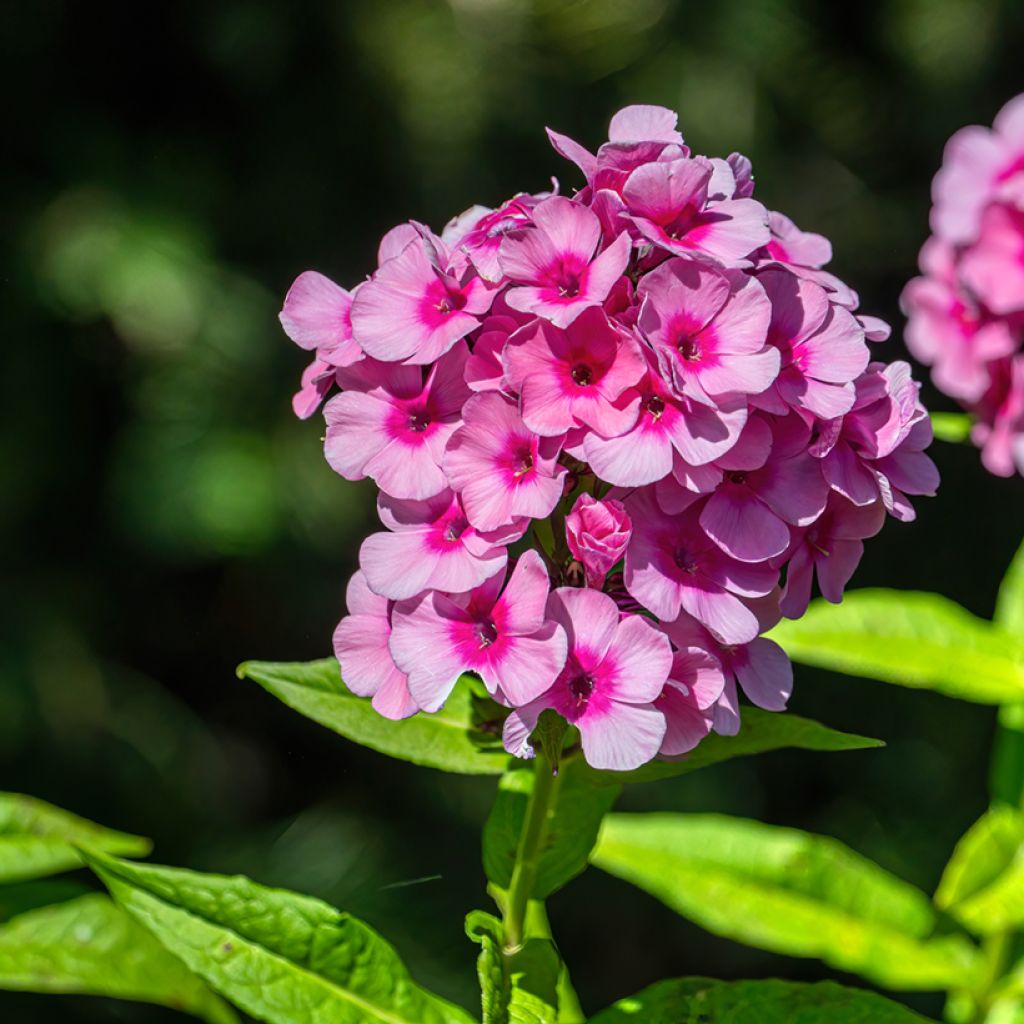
point(597, 532)
point(832, 547)
point(317, 316)
point(502, 636)
point(668, 202)
point(361, 647)
point(575, 377)
point(750, 513)
point(616, 669)
point(478, 233)
point(760, 667)
point(709, 329)
point(501, 468)
point(688, 701)
point(432, 544)
point(317, 380)
point(672, 565)
point(393, 427)
point(980, 165)
point(414, 309)
point(822, 346)
point(669, 431)
point(556, 265)
point(966, 313)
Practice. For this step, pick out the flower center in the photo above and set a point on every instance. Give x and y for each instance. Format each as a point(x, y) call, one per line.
point(487, 633)
point(582, 374)
point(689, 349)
point(450, 302)
point(655, 406)
point(419, 420)
point(569, 285)
point(685, 561)
point(524, 462)
point(455, 529)
point(736, 477)
point(581, 687)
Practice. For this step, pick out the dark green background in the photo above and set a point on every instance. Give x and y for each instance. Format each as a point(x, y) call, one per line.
point(169, 171)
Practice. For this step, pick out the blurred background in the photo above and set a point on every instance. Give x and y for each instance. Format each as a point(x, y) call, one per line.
point(164, 516)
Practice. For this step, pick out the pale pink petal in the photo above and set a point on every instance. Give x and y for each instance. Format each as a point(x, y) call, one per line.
point(741, 525)
point(623, 737)
point(765, 673)
point(316, 312)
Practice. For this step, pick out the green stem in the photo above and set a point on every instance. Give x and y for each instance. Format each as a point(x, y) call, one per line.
point(539, 810)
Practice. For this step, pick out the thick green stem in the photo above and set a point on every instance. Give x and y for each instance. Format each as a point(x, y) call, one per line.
point(539, 810)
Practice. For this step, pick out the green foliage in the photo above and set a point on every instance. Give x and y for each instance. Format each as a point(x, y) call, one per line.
point(983, 884)
point(90, 946)
point(518, 987)
point(700, 1001)
point(954, 427)
point(762, 731)
point(911, 639)
point(788, 892)
point(455, 739)
point(282, 957)
point(1010, 600)
point(577, 807)
point(38, 839)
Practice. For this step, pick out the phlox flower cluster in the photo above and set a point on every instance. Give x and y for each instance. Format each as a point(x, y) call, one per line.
point(966, 312)
point(616, 434)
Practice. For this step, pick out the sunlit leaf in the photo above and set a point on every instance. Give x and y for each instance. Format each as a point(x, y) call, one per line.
point(38, 839)
point(454, 739)
point(90, 946)
point(761, 732)
point(282, 957)
point(693, 1000)
point(577, 807)
point(983, 884)
point(911, 639)
point(520, 988)
point(788, 892)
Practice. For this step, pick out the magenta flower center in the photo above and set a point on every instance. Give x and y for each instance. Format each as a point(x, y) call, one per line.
point(455, 529)
point(523, 462)
point(419, 420)
point(655, 406)
point(569, 284)
point(689, 349)
point(736, 477)
point(582, 374)
point(487, 633)
point(581, 687)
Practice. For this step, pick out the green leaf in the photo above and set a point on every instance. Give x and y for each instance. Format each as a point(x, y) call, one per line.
point(788, 892)
point(521, 988)
point(954, 427)
point(454, 739)
point(1010, 600)
point(911, 639)
point(577, 807)
point(90, 946)
point(761, 732)
point(983, 884)
point(701, 1001)
point(38, 839)
point(1007, 772)
point(282, 957)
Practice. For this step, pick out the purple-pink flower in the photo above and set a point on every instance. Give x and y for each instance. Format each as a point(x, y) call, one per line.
point(619, 432)
point(966, 312)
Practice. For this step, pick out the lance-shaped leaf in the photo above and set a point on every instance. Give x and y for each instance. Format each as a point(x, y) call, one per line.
point(788, 892)
point(89, 946)
point(454, 739)
point(577, 807)
point(1010, 601)
point(911, 639)
point(520, 988)
point(38, 839)
point(282, 957)
point(983, 884)
point(701, 1000)
point(760, 732)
